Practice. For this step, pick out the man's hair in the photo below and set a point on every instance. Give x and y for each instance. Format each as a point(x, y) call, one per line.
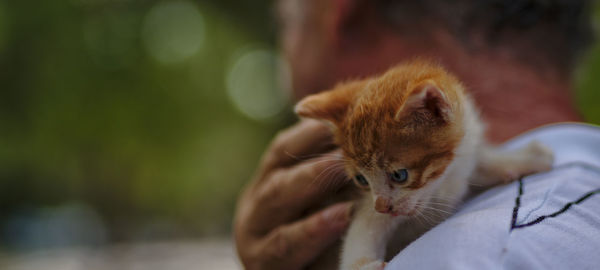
point(557, 30)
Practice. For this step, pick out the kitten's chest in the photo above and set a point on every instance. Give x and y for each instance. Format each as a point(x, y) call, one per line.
point(415, 227)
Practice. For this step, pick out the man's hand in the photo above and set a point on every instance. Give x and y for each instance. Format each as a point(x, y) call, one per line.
point(272, 229)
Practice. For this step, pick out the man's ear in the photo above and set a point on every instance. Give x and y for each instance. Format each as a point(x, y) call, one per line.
point(427, 96)
point(330, 105)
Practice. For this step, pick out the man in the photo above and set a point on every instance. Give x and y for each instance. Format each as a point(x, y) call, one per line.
point(515, 57)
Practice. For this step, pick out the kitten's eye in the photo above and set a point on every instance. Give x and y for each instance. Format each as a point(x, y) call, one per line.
point(361, 180)
point(399, 176)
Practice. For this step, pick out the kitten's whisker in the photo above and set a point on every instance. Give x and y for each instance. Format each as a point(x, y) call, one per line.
point(332, 177)
point(444, 200)
point(425, 217)
point(422, 220)
point(434, 218)
point(316, 156)
point(442, 204)
point(332, 170)
point(436, 209)
point(475, 185)
point(437, 196)
point(322, 161)
point(287, 153)
point(431, 223)
point(418, 217)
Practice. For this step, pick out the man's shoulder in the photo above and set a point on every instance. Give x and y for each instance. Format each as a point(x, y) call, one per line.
point(540, 221)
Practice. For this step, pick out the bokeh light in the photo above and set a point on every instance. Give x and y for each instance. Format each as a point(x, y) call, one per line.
point(70, 224)
point(126, 123)
point(173, 31)
point(258, 84)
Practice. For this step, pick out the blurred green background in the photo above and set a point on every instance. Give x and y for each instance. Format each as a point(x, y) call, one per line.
point(129, 120)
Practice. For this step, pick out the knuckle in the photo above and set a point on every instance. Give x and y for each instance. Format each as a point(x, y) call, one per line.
point(248, 260)
point(271, 191)
point(257, 261)
point(280, 246)
point(251, 255)
point(272, 253)
point(278, 144)
point(270, 157)
point(276, 150)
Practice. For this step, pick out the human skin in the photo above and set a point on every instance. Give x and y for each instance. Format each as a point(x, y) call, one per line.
point(272, 227)
point(329, 41)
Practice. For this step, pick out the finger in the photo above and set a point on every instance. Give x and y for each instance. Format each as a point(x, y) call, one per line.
point(295, 245)
point(301, 141)
point(292, 190)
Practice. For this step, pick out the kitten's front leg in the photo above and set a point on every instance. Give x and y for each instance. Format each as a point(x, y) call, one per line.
point(496, 166)
point(365, 244)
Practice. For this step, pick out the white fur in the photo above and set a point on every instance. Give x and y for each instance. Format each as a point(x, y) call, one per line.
point(370, 232)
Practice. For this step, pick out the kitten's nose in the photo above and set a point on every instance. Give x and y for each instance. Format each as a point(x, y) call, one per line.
point(383, 205)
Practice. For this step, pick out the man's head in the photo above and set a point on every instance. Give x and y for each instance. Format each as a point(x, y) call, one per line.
point(328, 41)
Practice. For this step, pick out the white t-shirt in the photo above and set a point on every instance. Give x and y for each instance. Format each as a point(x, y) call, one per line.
point(545, 221)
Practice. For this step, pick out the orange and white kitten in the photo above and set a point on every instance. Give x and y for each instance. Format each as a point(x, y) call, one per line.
point(413, 140)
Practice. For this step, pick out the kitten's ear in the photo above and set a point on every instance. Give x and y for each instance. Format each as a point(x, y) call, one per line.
point(426, 96)
point(330, 105)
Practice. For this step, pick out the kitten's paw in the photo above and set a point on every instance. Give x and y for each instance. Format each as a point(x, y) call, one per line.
point(539, 158)
point(367, 264)
point(508, 175)
point(531, 159)
point(375, 265)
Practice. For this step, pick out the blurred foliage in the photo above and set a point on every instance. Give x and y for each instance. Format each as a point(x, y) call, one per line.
point(88, 114)
point(103, 105)
point(588, 76)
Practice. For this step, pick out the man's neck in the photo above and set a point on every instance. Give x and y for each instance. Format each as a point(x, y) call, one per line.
point(514, 97)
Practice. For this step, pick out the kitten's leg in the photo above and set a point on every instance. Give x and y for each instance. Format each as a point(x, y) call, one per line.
point(365, 244)
point(496, 166)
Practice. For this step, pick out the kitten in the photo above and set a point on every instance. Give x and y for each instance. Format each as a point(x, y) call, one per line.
point(413, 141)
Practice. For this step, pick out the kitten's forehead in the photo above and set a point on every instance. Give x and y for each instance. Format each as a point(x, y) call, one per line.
point(372, 136)
point(363, 141)
point(382, 143)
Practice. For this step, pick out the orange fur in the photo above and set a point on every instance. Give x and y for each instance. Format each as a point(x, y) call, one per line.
point(415, 119)
point(378, 126)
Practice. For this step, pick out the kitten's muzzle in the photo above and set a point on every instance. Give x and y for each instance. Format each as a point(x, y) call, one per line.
point(383, 205)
